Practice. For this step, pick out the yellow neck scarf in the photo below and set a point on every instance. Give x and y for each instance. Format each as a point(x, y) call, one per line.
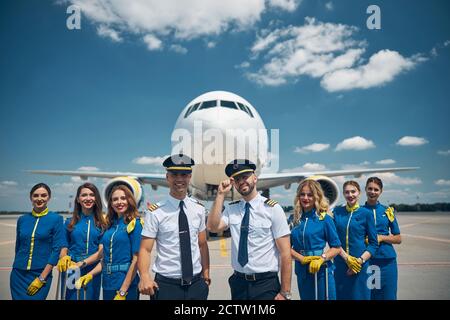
point(39, 214)
point(352, 209)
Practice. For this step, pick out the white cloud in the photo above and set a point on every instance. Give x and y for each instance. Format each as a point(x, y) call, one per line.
point(88, 168)
point(153, 43)
point(243, 65)
point(411, 141)
point(308, 167)
point(106, 32)
point(8, 183)
point(313, 49)
point(315, 147)
point(150, 160)
point(211, 44)
point(444, 153)
point(382, 68)
point(355, 143)
point(385, 161)
point(178, 49)
point(288, 5)
point(329, 6)
point(442, 182)
point(323, 50)
point(447, 43)
point(174, 19)
point(390, 178)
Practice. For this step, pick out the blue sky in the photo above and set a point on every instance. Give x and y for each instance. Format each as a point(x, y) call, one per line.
point(105, 95)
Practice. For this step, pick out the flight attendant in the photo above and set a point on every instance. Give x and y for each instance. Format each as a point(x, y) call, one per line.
point(354, 224)
point(119, 248)
point(83, 235)
point(39, 239)
point(313, 229)
point(388, 233)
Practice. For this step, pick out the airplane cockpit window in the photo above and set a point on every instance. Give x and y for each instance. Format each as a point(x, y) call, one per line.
point(228, 104)
point(191, 109)
point(245, 109)
point(208, 104)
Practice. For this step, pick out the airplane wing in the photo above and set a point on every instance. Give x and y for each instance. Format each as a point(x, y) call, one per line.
point(271, 180)
point(155, 179)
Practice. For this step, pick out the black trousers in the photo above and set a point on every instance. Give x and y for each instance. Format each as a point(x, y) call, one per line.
point(259, 289)
point(171, 289)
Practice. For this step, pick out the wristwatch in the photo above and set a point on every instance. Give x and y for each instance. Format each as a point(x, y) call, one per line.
point(286, 294)
point(122, 293)
point(84, 264)
point(324, 257)
point(362, 260)
point(42, 279)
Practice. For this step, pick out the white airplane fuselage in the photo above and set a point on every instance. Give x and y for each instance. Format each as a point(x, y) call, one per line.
point(214, 136)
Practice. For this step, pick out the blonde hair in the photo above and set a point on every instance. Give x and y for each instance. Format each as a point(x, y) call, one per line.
point(320, 201)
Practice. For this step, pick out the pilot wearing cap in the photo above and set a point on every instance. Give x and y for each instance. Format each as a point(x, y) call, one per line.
point(260, 237)
point(177, 225)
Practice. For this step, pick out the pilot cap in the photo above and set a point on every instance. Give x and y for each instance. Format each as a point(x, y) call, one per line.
point(179, 163)
point(238, 166)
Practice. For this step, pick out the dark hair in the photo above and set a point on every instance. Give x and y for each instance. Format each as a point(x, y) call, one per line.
point(40, 185)
point(98, 214)
point(132, 211)
point(375, 180)
point(352, 183)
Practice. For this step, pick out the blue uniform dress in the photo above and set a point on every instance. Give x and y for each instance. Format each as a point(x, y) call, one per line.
point(385, 257)
point(39, 240)
point(118, 249)
point(82, 242)
point(353, 227)
point(309, 238)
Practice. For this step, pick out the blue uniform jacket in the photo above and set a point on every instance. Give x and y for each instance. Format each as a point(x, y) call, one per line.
point(384, 227)
point(361, 225)
point(84, 238)
point(312, 234)
point(118, 250)
point(35, 253)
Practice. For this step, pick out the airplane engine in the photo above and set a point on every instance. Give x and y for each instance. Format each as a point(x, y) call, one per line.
point(329, 187)
point(131, 183)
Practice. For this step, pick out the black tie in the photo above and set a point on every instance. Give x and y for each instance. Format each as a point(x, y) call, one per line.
point(185, 245)
point(243, 248)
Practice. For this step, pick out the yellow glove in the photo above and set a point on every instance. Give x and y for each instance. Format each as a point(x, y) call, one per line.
point(35, 286)
point(314, 266)
point(390, 213)
point(83, 281)
point(131, 225)
point(119, 297)
point(353, 264)
point(308, 259)
point(64, 263)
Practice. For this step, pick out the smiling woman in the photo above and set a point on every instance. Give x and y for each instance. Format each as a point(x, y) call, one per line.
point(39, 238)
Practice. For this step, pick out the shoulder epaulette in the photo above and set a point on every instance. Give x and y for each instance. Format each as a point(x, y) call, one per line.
point(390, 213)
point(322, 215)
point(131, 225)
point(270, 202)
point(234, 202)
point(152, 206)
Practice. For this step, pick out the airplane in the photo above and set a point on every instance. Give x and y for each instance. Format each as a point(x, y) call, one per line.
point(220, 117)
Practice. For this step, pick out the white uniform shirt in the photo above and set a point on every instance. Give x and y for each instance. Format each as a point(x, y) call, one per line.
point(266, 224)
point(162, 225)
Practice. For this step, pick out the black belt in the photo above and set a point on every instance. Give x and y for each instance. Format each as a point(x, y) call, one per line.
point(178, 281)
point(256, 276)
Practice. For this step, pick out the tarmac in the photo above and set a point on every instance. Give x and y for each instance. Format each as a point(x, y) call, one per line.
point(423, 259)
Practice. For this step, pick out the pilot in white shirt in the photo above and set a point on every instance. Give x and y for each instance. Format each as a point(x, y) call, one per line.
point(178, 227)
point(260, 237)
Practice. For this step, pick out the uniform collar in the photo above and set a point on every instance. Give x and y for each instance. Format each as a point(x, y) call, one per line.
point(175, 202)
point(352, 209)
point(310, 214)
point(39, 214)
point(254, 203)
point(86, 216)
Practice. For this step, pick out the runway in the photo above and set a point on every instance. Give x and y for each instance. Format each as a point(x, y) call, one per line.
point(423, 259)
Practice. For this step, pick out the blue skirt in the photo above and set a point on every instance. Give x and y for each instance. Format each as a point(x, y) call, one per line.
point(20, 280)
point(92, 289)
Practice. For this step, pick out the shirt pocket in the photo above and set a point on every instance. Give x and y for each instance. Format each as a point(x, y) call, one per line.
point(260, 229)
point(168, 232)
